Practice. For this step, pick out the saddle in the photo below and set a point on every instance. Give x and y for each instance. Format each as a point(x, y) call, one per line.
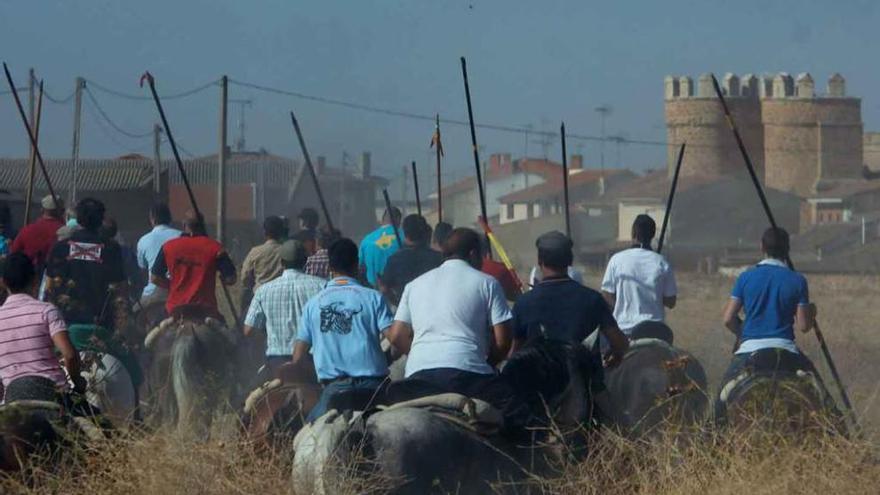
point(772, 363)
point(652, 330)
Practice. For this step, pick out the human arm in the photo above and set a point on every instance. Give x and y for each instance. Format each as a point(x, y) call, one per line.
point(500, 317)
point(159, 273)
point(616, 338)
point(670, 288)
point(248, 272)
point(609, 285)
point(226, 268)
point(255, 317)
point(731, 316)
point(805, 316)
point(61, 338)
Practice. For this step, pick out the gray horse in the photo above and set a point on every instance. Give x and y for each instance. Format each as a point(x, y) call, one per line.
point(193, 372)
point(425, 448)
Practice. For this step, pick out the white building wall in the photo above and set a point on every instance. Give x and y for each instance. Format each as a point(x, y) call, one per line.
point(627, 213)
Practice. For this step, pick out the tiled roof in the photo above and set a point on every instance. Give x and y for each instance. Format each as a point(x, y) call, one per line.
point(547, 169)
point(94, 175)
point(553, 186)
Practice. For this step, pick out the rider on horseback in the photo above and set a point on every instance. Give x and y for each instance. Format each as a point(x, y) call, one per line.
point(639, 284)
point(776, 302)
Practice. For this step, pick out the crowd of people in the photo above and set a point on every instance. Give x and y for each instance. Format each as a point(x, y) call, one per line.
point(322, 303)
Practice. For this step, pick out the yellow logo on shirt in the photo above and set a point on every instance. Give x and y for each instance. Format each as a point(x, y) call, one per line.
point(385, 240)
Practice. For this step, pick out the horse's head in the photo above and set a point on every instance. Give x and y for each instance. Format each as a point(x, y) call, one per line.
point(553, 377)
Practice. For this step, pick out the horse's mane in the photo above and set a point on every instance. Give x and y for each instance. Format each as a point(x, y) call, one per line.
point(542, 368)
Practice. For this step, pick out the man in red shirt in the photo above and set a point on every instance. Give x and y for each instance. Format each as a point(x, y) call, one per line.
point(499, 272)
point(188, 266)
point(36, 239)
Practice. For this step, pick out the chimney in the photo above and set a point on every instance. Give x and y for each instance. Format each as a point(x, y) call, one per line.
point(507, 163)
point(494, 163)
point(364, 166)
point(576, 162)
point(321, 166)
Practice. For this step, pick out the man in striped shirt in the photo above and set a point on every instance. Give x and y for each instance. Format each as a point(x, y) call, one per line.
point(30, 330)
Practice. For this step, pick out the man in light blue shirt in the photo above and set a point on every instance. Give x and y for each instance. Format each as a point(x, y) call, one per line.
point(342, 327)
point(379, 245)
point(148, 248)
point(278, 305)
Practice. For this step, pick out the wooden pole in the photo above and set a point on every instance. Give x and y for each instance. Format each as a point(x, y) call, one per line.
point(826, 353)
point(308, 159)
point(192, 198)
point(668, 213)
point(388, 212)
point(32, 168)
point(565, 182)
point(467, 92)
point(221, 162)
point(157, 161)
point(415, 175)
point(439, 152)
point(77, 137)
point(32, 86)
point(30, 133)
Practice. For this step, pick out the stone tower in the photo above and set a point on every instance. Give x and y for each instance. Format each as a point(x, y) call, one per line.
point(809, 139)
point(699, 120)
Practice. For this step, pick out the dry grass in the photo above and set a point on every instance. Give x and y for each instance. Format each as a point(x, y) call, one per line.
point(756, 464)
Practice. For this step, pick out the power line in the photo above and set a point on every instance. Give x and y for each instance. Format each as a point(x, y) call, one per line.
point(114, 125)
point(136, 97)
point(106, 132)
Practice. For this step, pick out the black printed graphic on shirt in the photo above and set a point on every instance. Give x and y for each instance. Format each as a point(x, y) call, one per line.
point(337, 319)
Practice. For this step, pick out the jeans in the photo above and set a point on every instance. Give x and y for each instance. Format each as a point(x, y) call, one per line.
point(358, 390)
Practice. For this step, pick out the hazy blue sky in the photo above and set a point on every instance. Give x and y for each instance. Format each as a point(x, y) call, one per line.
point(530, 62)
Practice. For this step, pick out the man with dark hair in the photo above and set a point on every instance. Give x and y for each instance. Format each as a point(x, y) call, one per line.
point(414, 259)
point(441, 233)
point(318, 264)
point(639, 284)
point(379, 245)
point(188, 268)
point(148, 248)
point(86, 272)
point(110, 230)
point(308, 229)
point(36, 240)
point(308, 219)
point(342, 327)
point(262, 263)
point(776, 302)
point(278, 305)
point(455, 325)
point(32, 330)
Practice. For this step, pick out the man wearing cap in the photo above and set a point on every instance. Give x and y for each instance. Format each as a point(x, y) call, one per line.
point(148, 248)
point(278, 305)
point(188, 268)
point(639, 284)
point(414, 259)
point(341, 327)
point(379, 245)
point(36, 239)
point(560, 308)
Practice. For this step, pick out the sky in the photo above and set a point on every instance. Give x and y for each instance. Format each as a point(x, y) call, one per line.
point(530, 63)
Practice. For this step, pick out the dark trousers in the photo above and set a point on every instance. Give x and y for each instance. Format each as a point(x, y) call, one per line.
point(352, 393)
point(493, 388)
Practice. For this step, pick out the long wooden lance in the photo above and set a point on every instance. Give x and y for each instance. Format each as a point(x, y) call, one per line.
point(826, 353)
point(415, 174)
point(151, 82)
point(668, 213)
point(32, 168)
point(390, 213)
point(308, 159)
point(30, 134)
point(502, 253)
point(439, 150)
point(565, 182)
point(467, 93)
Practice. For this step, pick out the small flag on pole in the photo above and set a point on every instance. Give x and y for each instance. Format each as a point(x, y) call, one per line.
point(435, 139)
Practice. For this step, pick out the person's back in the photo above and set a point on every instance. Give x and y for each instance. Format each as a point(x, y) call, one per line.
point(85, 271)
point(414, 259)
point(379, 245)
point(150, 244)
point(36, 239)
point(560, 309)
point(263, 262)
point(191, 262)
point(770, 294)
point(450, 309)
point(639, 279)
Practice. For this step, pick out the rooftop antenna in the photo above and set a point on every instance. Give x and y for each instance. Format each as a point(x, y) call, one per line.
point(241, 143)
point(604, 111)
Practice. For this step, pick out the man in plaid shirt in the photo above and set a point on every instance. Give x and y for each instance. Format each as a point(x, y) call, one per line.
point(318, 264)
point(277, 305)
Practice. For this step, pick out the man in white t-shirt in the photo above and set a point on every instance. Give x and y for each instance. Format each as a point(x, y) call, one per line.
point(639, 284)
point(455, 325)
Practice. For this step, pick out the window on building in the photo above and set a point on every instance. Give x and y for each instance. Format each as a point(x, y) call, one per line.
point(510, 211)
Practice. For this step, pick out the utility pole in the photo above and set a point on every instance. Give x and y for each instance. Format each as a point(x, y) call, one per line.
point(403, 189)
point(221, 163)
point(77, 135)
point(32, 116)
point(157, 160)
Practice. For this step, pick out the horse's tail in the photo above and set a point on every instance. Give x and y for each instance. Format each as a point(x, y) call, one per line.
point(187, 378)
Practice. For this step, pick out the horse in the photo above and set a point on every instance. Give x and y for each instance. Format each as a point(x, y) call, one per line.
point(276, 410)
point(777, 391)
point(656, 386)
point(193, 371)
point(450, 442)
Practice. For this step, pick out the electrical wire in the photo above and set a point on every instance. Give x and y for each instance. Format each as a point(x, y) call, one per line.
point(114, 125)
point(59, 101)
point(135, 97)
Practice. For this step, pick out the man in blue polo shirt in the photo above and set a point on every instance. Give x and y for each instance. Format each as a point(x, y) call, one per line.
point(775, 300)
point(342, 326)
point(379, 245)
